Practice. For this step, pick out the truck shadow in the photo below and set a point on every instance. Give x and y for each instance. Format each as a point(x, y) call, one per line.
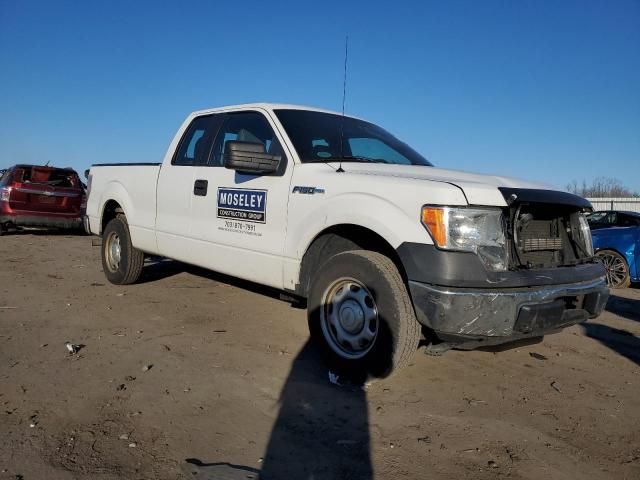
point(621, 341)
point(628, 308)
point(156, 269)
point(321, 431)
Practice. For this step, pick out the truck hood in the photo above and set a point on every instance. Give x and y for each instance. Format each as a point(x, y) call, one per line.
point(478, 189)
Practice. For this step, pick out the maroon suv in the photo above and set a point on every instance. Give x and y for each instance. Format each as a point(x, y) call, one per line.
point(36, 196)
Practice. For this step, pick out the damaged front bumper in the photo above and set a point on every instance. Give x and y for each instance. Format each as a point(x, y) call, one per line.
point(476, 317)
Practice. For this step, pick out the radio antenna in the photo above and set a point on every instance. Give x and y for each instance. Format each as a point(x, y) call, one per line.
point(344, 98)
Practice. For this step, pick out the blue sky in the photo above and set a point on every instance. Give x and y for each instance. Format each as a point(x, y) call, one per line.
point(545, 90)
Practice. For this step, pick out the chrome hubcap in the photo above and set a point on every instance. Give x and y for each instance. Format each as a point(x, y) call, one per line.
point(113, 252)
point(349, 318)
point(615, 268)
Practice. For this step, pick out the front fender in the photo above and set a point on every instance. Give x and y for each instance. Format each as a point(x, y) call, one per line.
point(365, 210)
point(310, 216)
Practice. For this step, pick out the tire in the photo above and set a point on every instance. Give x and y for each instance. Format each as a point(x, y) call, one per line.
point(616, 268)
point(361, 316)
point(121, 262)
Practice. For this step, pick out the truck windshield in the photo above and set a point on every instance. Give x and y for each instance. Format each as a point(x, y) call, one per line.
point(317, 136)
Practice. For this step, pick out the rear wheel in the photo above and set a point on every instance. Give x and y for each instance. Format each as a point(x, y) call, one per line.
point(121, 262)
point(361, 315)
point(616, 268)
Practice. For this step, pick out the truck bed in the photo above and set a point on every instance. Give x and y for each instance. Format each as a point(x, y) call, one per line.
point(133, 187)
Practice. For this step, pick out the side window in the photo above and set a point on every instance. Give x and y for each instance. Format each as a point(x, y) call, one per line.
point(375, 149)
point(627, 220)
point(250, 127)
point(195, 144)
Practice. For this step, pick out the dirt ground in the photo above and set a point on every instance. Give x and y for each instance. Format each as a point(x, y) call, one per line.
point(194, 375)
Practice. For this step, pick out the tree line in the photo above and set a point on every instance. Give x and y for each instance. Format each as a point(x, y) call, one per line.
point(601, 187)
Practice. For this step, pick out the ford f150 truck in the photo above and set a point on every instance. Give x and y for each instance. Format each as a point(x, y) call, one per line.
point(380, 244)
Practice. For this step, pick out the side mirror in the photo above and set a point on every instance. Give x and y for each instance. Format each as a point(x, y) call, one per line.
point(249, 157)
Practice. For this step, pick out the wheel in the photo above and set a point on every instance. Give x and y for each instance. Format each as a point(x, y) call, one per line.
point(121, 262)
point(616, 268)
point(361, 316)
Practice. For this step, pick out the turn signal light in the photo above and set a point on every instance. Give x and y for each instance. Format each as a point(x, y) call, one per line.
point(434, 219)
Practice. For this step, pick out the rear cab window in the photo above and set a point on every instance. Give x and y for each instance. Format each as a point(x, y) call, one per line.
point(195, 144)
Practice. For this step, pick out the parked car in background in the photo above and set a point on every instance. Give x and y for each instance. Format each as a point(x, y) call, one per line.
point(616, 241)
point(40, 196)
point(613, 218)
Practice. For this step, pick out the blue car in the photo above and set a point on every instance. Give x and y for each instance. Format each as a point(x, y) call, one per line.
point(616, 241)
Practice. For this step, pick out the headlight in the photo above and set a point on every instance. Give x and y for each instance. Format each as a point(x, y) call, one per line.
point(477, 230)
point(585, 234)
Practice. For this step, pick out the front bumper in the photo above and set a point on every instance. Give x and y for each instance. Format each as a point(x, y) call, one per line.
point(460, 315)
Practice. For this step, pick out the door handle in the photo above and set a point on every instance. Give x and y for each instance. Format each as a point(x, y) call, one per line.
point(200, 187)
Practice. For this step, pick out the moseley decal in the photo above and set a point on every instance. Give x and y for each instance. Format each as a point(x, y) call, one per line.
point(242, 204)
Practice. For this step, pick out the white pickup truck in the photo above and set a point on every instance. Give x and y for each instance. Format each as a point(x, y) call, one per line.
point(335, 211)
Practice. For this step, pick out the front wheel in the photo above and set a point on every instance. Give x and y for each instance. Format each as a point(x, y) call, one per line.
point(121, 261)
point(616, 268)
point(361, 315)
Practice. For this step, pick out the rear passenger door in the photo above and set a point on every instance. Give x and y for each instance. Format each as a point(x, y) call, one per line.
point(240, 223)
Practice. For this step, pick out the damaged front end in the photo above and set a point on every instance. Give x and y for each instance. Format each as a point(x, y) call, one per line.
point(549, 280)
point(547, 235)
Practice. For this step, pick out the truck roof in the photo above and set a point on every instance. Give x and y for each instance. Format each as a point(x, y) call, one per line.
point(265, 106)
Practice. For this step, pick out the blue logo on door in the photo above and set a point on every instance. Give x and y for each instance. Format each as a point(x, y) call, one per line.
point(242, 204)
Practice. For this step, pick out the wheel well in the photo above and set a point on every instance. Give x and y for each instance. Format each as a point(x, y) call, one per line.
point(338, 239)
point(111, 210)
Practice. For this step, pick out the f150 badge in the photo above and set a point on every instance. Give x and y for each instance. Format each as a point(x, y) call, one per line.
point(242, 204)
point(307, 190)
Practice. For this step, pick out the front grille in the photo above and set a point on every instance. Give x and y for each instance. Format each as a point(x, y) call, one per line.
point(536, 244)
point(541, 236)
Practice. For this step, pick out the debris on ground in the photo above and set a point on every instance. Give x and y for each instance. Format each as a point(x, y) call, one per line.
point(555, 386)
point(473, 401)
point(425, 439)
point(72, 348)
point(333, 378)
point(147, 367)
point(537, 356)
point(437, 349)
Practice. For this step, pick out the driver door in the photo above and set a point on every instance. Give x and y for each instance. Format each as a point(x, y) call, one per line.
point(240, 223)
